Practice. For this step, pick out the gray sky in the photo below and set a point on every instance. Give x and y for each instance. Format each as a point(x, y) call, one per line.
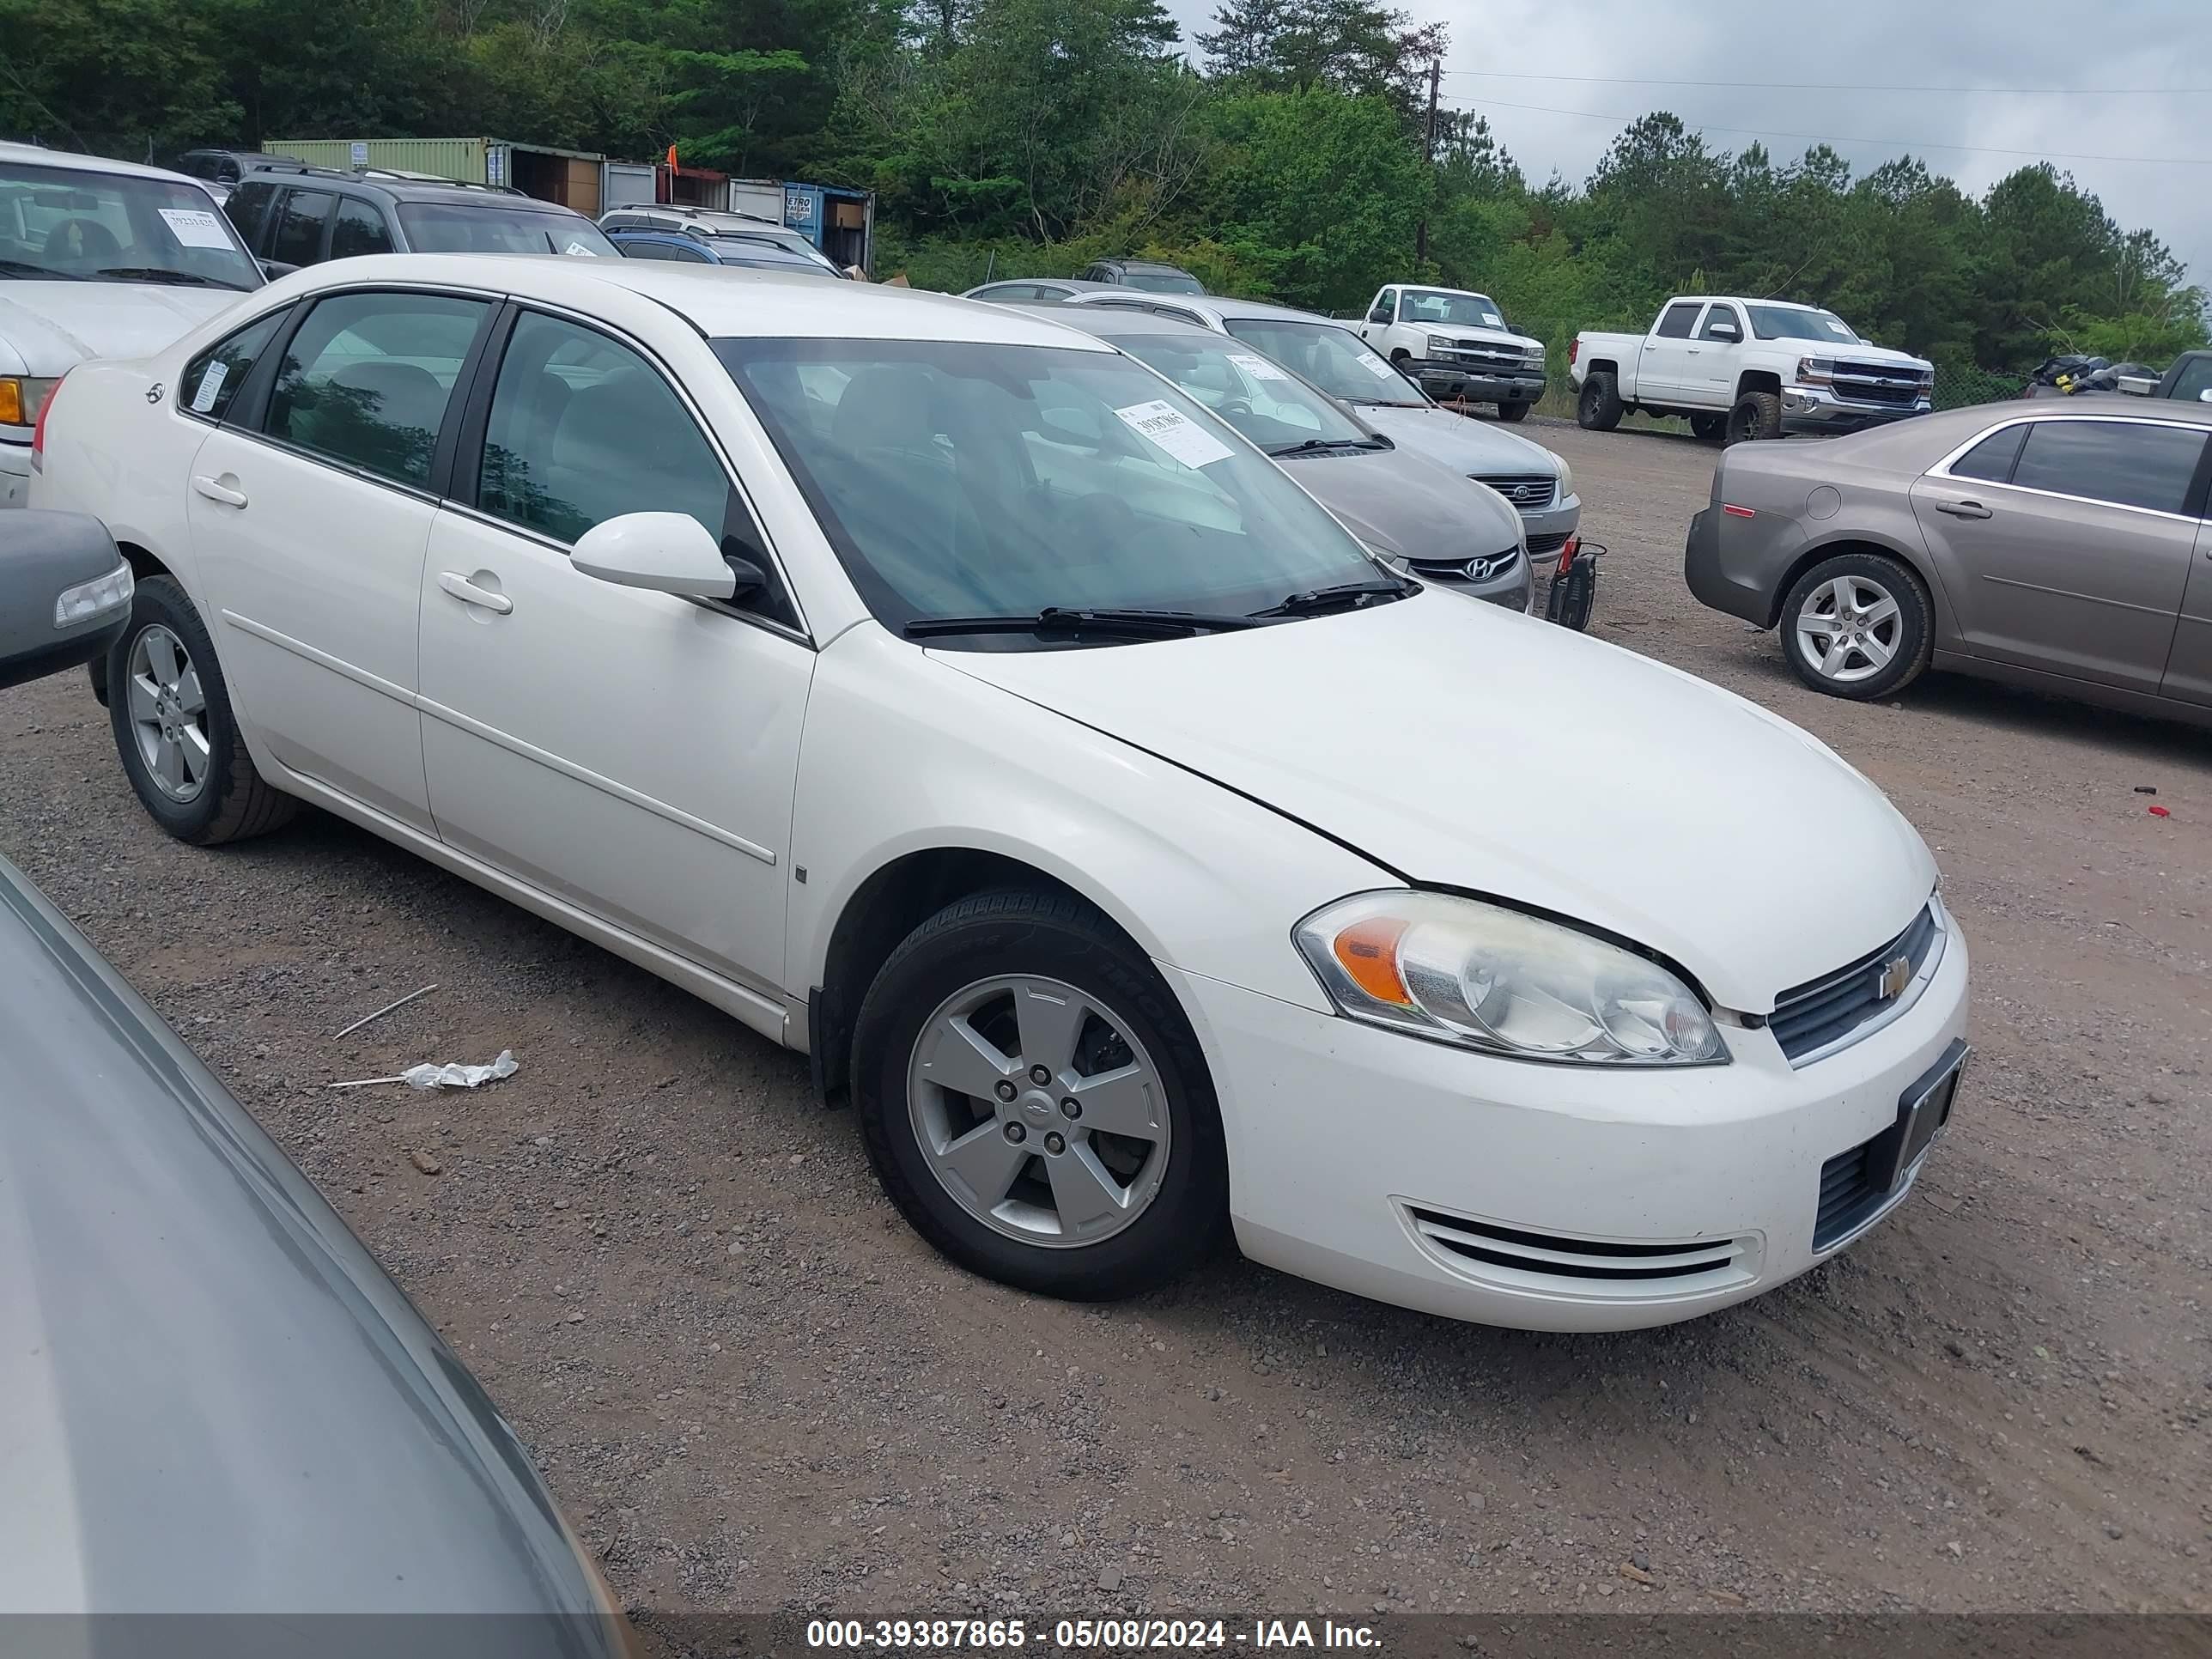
point(1888, 43)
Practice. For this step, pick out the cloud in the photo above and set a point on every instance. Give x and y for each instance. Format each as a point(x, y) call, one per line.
point(1884, 42)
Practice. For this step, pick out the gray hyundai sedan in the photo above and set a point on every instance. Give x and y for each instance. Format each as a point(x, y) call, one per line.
point(1422, 517)
point(2060, 547)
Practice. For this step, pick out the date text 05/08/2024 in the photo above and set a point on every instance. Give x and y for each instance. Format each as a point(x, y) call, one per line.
point(1096, 1635)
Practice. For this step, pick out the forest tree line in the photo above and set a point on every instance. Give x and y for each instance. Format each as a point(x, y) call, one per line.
point(1280, 153)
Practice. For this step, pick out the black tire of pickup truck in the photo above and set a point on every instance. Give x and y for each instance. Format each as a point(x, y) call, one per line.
point(1598, 409)
point(1514, 411)
point(1708, 428)
point(1757, 414)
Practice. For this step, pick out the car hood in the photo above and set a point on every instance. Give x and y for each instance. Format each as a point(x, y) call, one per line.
point(1516, 759)
point(1465, 445)
point(53, 326)
point(1864, 354)
point(1399, 503)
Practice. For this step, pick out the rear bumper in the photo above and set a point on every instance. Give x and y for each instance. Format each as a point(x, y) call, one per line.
point(1815, 409)
point(1736, 566)
point(1442, 379)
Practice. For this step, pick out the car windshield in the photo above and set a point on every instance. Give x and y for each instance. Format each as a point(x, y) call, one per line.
point(455, 228)
point(2195, 379)
point(1429, 305)
point(957, 479)
point(1162, 281)
point(1789, 323)
point(1332, 357)
point(1258, 397)
point(70, 224)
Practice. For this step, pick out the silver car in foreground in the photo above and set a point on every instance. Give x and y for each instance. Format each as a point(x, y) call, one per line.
point(1424, 518)
point(2061, 546)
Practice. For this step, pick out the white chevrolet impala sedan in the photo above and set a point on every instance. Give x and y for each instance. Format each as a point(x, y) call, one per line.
point(942, 693)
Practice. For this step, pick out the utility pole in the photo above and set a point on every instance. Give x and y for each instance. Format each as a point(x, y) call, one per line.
point(1428, 158)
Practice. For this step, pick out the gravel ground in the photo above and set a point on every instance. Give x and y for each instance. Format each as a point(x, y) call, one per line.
point(753, 1388)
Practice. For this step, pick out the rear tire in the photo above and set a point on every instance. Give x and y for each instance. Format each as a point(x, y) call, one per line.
point(1598, 409)
point(1003, 1179)
point(169, 708)
point(1858, 626)
point(1708, 428)
point(1513, 412)
point(1757, 414)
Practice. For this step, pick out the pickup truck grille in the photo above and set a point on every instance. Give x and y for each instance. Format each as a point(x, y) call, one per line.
point(1529, 491)
point(1864, 383)
point(1477, 354)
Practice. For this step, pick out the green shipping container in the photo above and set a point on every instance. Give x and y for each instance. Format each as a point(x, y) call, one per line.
point(443, 158)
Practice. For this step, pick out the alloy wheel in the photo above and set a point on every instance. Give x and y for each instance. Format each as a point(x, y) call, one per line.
point(168, 714)
point(1038, 1111)
point(1849, 629)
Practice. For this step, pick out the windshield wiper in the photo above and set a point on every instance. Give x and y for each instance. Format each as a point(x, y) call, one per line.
point(1345, 596)
point(163, 274)
point(1060, 619)
point(1323, 445)
point(37, 273)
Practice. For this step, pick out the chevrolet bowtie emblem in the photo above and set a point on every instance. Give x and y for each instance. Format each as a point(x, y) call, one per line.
point(1896, 975)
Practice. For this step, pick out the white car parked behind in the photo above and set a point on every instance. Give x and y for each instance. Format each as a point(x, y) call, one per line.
point(941, 692)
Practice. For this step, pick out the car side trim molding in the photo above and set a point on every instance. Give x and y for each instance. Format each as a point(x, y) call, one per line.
point(620, 791)
point(337, 666)
point(2069, 593)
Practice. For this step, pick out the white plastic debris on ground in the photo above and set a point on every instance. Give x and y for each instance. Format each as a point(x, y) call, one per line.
point(452, 1075)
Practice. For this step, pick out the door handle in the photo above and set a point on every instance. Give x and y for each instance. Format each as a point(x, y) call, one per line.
point(1964, 509)
point(469, 594)
point(218, 492)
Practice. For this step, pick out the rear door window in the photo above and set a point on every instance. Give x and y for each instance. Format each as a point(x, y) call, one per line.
point(359, 228)
point(300, 219)
point(248, 209)
point(1991, 460)
point(2127, 463)
point(366, 379)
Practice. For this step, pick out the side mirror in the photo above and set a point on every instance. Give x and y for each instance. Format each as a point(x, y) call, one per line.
point(1380, 314)
point(64, 594)
point(667, 552)
point(272, 268)
point(1723, 331)
point(2205, 396)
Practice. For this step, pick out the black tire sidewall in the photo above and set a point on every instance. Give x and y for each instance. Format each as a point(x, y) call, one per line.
point(1513, 412)
point(1759, 415)
point(1014, 933)
point(1598, 409)
point(1915, 634)
point(160, 600)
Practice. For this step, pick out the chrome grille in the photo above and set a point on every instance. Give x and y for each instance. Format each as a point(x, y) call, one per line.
point(1814, 1016)
point(1529, 491)
point(1483, 567)
point(1864, 383)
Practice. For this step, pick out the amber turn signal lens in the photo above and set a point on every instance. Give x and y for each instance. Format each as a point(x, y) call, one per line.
point(1369, 952)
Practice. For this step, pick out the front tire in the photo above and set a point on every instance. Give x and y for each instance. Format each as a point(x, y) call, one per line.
point(1034, 1101)
point(1757, 414)
point(1513, 412)
point(1858, 626)
point(1598, 409)
point(1708, 428)
point(169, 708)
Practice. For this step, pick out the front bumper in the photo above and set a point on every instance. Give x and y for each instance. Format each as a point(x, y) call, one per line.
point(1442, 379)
point(1354, 1152)
point(15, 474)
point(1548, 528)
point(1816, 410)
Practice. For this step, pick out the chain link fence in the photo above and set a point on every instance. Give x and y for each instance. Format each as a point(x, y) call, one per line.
point(1957, 387)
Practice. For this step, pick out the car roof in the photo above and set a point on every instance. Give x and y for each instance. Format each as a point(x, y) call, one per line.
point(720, 302)
point(1143, 264)
point(2119, 403)
point(399, 187)
point(1123, 323)
point(1222, 307)
point(38, 155)
point(1078, 284)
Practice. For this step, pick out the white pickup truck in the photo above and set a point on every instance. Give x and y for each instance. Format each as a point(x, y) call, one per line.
point(1457, 346)
point(1746, 369)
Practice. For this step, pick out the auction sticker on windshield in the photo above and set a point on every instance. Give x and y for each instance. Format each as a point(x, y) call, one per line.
point(210, 384)
point(1166, 426)
point(195, 227)
point(1378, 368)
point(1258, 368)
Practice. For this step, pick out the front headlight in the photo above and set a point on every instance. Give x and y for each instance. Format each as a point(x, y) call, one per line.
point(1535, 353)
point(1567, 481)
point(1485, 977)
point(1437, 344)
point(22, 397)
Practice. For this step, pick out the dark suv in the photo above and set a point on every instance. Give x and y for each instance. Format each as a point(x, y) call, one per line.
point(1149, 275)
point(291, 214)
point(689, 236)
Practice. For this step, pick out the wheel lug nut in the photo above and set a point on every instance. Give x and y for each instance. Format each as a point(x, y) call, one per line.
point(1071, 1110)
point(1004, 1091)
point(1015, 1134)
point(1039, 1075)
point(1053, 1143)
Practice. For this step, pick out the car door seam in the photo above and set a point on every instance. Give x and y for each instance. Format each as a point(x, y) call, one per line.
point(567, 769)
